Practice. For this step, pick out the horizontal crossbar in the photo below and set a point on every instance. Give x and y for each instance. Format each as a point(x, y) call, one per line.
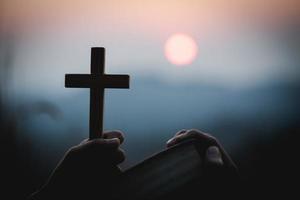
point(96, 81)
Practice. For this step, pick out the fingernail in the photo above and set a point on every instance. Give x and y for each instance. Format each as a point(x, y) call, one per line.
point(213, 154)
point(170, 141)
point(213, 151)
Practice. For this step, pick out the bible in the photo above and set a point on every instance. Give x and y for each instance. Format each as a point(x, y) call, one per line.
point(163, 173)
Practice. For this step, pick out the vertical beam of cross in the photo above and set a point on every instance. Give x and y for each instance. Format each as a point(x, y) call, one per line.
point(97, 94)
point(97, 81)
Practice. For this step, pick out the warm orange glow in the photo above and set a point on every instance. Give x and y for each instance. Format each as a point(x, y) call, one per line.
point(181, 49)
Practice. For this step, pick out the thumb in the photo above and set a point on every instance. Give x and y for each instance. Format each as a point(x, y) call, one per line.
point(213, 156)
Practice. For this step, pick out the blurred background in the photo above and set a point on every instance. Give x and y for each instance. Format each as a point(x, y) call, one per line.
point(242, 85)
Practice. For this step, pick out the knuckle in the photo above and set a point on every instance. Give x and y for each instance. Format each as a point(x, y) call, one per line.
point(193, 130)
point(199, 135)
point(212, 139)
point(193, 133)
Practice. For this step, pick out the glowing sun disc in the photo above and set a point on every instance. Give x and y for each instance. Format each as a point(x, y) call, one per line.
point(181, 49)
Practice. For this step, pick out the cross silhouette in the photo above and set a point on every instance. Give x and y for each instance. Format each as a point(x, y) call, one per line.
point(97, 81)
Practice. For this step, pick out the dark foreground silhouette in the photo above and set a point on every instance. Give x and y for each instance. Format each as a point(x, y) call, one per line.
point(90, 170)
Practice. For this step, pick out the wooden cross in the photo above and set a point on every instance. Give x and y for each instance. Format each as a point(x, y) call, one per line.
point(97, 81)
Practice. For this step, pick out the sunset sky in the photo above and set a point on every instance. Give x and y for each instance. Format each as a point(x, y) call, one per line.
point(238, 41)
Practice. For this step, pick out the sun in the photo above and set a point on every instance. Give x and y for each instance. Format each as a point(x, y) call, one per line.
point(181, 49)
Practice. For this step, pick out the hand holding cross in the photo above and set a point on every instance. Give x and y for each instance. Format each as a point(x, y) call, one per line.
point(97, 81)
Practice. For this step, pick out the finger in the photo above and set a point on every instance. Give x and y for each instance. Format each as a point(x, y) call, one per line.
point(176, 134)
point(118, 156)
point(180, 132)
point(213, 166)
point(213, 156)
point(112, 143)
point(114, 134)
point(98, 145)
point(175, 140)
point(191, 134)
